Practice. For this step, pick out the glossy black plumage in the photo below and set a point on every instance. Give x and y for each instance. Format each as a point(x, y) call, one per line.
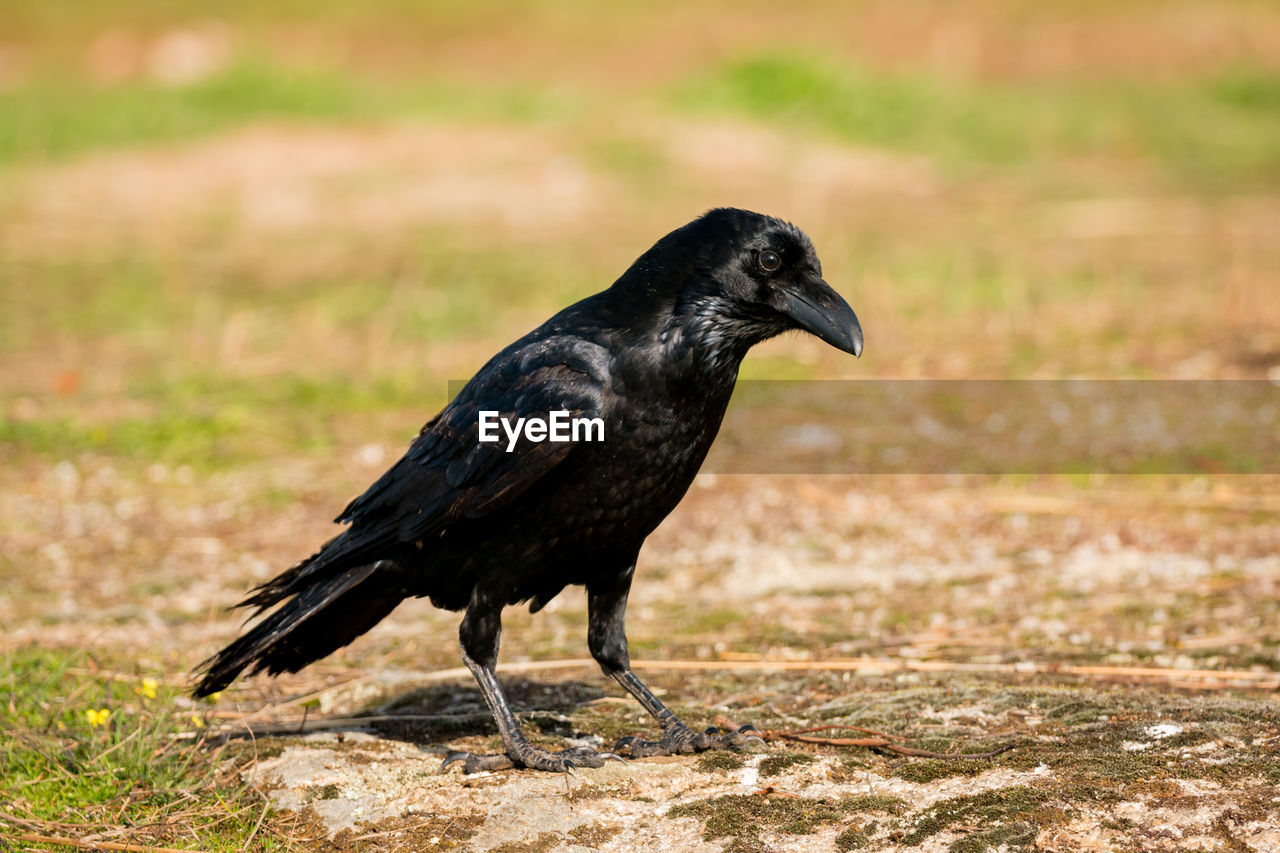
point(471, 525)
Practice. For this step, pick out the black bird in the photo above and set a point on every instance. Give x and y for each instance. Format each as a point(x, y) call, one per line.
point(471, 525)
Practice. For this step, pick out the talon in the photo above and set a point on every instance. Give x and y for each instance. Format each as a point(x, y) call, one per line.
point(451, 759)
point(609, 756)
point(742, 730)
point(752, 741)
point(569, 768)
point(711, 731)
point(626, 743)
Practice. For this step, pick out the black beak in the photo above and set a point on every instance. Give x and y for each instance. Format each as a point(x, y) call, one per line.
point(837, 325)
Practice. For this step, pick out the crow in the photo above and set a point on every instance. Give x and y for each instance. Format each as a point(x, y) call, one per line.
point(480, 525)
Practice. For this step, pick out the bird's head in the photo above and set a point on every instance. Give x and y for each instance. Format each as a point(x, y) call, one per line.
point(744, 277)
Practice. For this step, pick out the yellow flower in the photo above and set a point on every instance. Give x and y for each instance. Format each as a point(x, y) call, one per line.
point(148, 688)
point(197, 721)
point(97, 717)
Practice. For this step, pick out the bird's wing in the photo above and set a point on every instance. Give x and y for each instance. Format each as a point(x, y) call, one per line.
point(448, 473)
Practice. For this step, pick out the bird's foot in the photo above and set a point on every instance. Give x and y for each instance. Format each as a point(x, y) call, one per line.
point(679, 739)
point(564, 761)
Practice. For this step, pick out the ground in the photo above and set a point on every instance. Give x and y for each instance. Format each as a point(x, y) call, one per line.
point(243, 259)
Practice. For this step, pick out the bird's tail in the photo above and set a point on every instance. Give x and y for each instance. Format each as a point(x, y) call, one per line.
point(316, 619)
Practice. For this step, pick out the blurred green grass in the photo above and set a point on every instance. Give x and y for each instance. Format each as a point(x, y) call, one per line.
point(1222, 131)
point(209, 353)
point(52, 118)
point(211, 422)
point(424, 289)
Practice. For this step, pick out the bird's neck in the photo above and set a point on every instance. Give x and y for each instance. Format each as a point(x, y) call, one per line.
point(708, 336)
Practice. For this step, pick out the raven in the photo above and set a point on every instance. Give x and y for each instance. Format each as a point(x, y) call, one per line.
point(473, 524)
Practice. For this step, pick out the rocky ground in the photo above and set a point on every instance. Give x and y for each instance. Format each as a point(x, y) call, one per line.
point(1091, 768)
point(1121, 643)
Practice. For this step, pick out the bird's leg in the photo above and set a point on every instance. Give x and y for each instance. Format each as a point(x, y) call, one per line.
point(607, 638)
point(479, 635)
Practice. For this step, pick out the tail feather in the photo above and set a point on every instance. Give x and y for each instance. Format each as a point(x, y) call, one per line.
point(312, 623)
point(294, 579)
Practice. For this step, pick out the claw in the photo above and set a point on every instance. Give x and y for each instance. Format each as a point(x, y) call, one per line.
point(609, 756)
point(711, 731)
point(752, 741)
point(569, 768)
point(451, 759)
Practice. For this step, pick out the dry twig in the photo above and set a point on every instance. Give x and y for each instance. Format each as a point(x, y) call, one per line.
point(880, 741)
point(90, 845)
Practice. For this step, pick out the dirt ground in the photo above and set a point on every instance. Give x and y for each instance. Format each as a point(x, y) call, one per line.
point(231, 296)
point(1114, 636)
point(949, 611)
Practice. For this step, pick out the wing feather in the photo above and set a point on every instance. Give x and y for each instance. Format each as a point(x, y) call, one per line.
point(449, 474)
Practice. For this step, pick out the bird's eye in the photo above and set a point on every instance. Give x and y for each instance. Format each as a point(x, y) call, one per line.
point(769, 261)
